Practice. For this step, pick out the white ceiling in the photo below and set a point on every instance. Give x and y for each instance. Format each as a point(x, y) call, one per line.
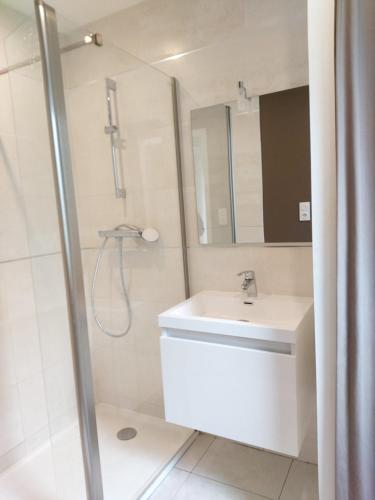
point(80, 12)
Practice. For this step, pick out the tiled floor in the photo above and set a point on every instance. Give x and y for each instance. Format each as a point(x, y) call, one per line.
point(212, 468)
point(217, 469)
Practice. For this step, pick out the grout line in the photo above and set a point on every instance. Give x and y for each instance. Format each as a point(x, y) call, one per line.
point(29, 257)
point(204, 454)
point(231, 485)
point(176, 466)
point(305, 461)
point(193, 471)
point(285, 480)
point(256, 448)
point(199, 458)
point(264, 450)
point(155, 482)
point(179, 488)
point(50, 254)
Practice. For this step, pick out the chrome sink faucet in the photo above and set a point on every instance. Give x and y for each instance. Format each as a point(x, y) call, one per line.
point(249, 284)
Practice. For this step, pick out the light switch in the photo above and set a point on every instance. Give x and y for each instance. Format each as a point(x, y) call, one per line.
point(304, 211)
point(223, 217)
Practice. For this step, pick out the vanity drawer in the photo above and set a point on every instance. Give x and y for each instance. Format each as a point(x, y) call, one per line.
point(238, 392)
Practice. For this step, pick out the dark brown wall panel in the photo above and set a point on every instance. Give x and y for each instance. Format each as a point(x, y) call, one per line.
point(285, 136)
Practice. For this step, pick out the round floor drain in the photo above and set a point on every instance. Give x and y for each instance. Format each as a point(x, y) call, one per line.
point(126, 433)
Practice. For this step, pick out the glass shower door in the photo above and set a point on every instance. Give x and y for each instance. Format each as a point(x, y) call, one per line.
point(35, 318)
point(127, 370)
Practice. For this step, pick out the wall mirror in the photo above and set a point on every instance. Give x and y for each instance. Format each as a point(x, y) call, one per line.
point(252, 169)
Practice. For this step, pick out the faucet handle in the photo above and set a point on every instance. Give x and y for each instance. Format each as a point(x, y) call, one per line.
point(248, 275)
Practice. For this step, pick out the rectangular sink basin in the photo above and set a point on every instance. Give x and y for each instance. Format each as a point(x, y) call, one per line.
point(241, 371)
point(269, 317)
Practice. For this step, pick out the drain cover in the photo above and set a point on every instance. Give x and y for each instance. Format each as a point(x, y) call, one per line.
point(126, 433)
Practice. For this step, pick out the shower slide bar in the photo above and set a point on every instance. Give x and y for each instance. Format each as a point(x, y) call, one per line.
point(89, 39)
point(112, 129)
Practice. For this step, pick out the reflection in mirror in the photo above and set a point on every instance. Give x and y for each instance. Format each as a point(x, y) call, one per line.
point(252, 169)
point(213, 174)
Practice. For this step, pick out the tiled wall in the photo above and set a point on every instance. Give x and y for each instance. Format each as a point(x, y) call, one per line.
point(36, 385)
point(263, 43)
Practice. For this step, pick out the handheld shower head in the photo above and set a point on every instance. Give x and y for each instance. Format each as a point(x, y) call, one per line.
point(150, 234)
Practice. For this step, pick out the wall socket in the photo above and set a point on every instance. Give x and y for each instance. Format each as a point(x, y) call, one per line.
point(304, 211)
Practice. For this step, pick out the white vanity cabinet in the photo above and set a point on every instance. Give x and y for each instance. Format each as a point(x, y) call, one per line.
point(243, 372)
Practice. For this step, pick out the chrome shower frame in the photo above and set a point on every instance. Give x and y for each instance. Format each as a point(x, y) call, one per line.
point(71, 249)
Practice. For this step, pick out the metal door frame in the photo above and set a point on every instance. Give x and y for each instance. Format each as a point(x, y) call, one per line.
point(71, 249)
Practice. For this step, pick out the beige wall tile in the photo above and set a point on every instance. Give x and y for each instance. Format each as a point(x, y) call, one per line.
point(13, 229)
point(156, 29)
point(18, 316)
point(33, 404)
point(10, 418)
point(6, 115)
point(278, 270)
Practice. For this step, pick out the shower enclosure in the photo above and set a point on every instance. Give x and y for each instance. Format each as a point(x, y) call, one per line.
point(66, 178)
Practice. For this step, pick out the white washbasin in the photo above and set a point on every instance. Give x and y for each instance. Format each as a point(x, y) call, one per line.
point(269, 317)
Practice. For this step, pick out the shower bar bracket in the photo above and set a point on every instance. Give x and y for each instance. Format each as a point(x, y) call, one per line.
point(89, 39)
point(112, 129)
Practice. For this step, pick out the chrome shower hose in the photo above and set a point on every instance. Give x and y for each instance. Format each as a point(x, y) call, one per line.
point(123, 286)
